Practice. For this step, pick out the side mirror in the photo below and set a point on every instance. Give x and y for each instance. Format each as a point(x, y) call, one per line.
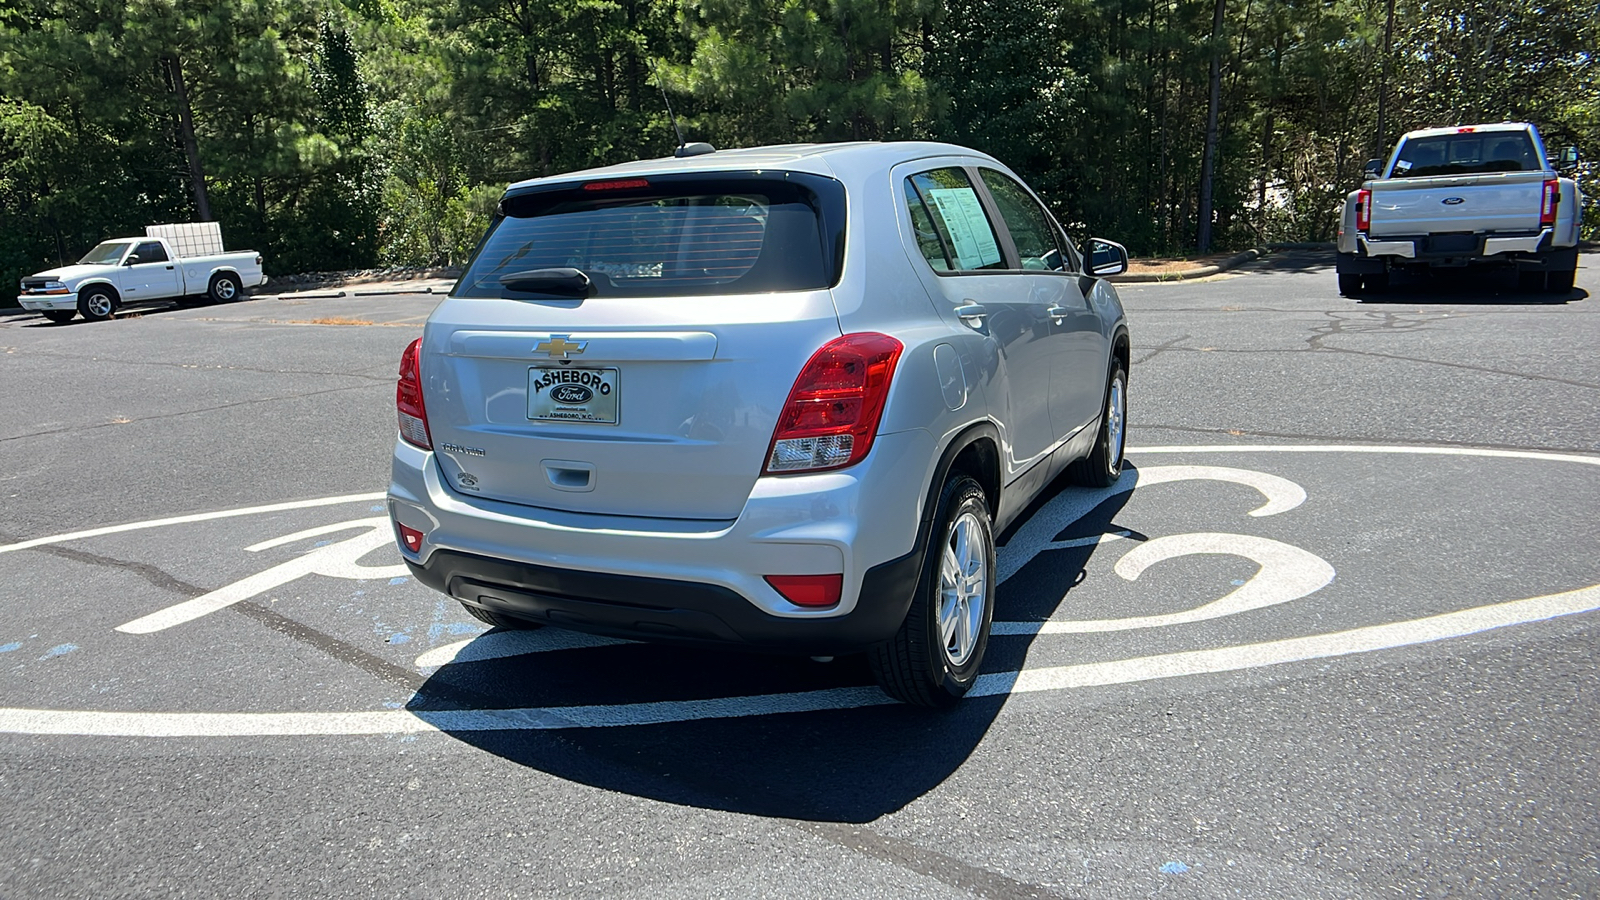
point(1569, 157)
point(1373, 168)
point(132, 258)
point(1107, 257)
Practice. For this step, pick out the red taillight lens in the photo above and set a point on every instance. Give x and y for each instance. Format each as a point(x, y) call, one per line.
point(625, 184)
point(1552, 200)
point(833, 411)
point(410, 538)
point(815, 591)
point(1363, 210)
point(408, 398)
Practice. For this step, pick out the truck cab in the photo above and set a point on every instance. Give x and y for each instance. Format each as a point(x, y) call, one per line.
point(1472, 195)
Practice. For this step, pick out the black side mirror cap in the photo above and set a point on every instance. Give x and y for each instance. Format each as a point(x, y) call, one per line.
point(1106, 258)
point(1373, 168)
point(132, 258)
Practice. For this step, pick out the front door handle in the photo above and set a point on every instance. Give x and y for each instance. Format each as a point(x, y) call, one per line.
point(972, 314)
point(169, 268)
point(1058, 314)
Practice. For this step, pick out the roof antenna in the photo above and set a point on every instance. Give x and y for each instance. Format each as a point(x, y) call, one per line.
point(684, 148)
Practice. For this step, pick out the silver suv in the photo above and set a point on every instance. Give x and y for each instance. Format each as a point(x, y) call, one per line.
point(779, 398)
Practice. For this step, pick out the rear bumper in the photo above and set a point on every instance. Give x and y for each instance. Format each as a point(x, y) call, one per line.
point(1526, 251)
point(686, 580)
point(38, 302)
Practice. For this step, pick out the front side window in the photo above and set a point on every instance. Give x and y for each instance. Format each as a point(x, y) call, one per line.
point(1027, 221)
point(650, 238)
point(150, 252)
point(951, 206)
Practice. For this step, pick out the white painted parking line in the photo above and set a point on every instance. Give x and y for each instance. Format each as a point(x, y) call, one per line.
point(197, 517)
point(1369, 448)
point(505, 644)
point(1050, 678)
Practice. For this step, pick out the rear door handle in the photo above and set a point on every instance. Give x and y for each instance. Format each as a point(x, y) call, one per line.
point(972, 314)
point(1058, 314)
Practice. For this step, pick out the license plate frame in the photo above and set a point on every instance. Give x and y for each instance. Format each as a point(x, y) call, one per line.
point(603, 384)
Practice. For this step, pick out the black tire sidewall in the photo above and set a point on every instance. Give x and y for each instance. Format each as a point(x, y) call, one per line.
point(1113, 471)
point(83, 304)
point(961, 496)
point(211, 289)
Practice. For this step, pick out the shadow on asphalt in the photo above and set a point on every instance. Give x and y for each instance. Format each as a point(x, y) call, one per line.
point(1467, 287)
point(845, 765)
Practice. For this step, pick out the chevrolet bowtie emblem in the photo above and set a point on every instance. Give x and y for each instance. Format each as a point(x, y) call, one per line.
point(558, 346)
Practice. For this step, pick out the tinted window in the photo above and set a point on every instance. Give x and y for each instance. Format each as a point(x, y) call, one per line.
point(151, 251)
point(669, 238)
point(928, 240)
point(958, 218)
point(1027, 221)
point(1463, 154)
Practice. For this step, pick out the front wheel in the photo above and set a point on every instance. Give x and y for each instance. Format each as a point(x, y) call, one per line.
point(97, 304)
point(933, 660)
point(1103, 466)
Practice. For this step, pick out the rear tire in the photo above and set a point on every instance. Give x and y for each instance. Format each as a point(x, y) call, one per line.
point(1561, 281)
point(1529, 282)
point(1375, 284)
point(500, 620)
point(1103, 466)
point(933, 660)
point(1350, 285)
point(97, 304)
point(225, 288)
point(59, 316)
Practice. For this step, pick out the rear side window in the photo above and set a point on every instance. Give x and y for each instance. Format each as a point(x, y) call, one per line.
point(666, 236)
point(950, 204)
point(1467, 153)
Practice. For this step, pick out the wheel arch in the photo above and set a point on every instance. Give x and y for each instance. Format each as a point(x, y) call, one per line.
point(100, 283)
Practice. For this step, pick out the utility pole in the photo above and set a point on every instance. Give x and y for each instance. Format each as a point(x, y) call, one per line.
point(1208, 167)
point(1383, 80)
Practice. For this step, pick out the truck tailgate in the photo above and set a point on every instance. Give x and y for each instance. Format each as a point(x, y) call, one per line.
point(1497, 202)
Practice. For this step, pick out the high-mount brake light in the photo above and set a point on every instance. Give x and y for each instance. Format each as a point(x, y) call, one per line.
point(619, 185)
point(1363, 209)
point(1467, 130)
point(833, 411)
point(813, 591)
point(408, 403)
point(1547, 206)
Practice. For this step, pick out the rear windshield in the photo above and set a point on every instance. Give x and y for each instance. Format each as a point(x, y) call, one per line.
point(663, 237)
point(1465, 154)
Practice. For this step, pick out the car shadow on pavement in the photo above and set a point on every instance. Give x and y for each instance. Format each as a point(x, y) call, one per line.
point(853, 764)
point(1466, 287)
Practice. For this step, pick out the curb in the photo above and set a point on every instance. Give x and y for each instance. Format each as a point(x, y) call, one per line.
point(1238, 259)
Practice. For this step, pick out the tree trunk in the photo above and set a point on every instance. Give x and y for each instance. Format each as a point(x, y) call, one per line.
point(1209, 159)
point(191, 149)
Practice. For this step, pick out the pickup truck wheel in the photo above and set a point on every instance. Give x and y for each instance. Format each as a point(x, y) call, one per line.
point(225, 287)
point(59, 316)
point(511, 623)
point(1103, 466)
point(1350, 285)
point(933, 660)
point(97, 304)
point(1560, 282)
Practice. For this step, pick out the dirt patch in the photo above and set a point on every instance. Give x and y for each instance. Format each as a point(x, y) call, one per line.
point(1170, 265)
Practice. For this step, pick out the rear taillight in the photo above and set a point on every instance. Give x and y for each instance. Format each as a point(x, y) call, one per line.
point(1547, 206)
point(408, 398)
point(815, 591)
point(1363, 210)
point(833, 411)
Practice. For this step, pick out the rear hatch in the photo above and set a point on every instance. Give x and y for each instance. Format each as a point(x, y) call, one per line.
point(624, 346)
point(1471, 181)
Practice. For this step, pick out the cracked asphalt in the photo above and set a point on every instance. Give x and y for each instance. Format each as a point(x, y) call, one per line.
point(1422, 721)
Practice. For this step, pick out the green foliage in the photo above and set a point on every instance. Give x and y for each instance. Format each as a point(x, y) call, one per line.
point(344, 133)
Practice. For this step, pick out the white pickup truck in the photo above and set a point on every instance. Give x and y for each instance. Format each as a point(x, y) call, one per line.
point(1469, 195)
point(137, 270)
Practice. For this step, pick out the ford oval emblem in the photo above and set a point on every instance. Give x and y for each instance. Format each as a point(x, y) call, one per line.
point(1453, 201)
point(572, 393)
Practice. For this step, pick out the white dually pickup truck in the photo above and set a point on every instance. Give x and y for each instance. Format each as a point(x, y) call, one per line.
point(1469, 195)
point(161, 266)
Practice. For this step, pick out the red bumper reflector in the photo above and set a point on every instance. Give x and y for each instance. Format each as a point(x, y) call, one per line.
point(808, 590)
point(410, 538)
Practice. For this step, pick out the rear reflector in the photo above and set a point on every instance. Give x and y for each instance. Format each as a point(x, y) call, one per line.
point(410, 538)
point(408, 403)
point(814, 591)
point(620, 185)
point(1547, 206)
point(833, 410)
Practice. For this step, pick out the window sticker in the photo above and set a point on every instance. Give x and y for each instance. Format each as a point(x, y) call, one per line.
point(973, 240)
point(1403, 165)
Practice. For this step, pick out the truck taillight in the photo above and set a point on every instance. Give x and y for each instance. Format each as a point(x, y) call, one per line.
point(408, 398)
point(1363, 210)
point(833, 410)
point(1547, 207)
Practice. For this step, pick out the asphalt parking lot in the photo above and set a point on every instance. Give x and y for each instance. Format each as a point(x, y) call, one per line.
point(1333, 635)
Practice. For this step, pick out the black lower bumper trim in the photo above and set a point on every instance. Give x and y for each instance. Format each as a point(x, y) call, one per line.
point(658, 609)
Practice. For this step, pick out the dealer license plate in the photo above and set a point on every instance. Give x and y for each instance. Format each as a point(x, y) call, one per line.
point(573, 394)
